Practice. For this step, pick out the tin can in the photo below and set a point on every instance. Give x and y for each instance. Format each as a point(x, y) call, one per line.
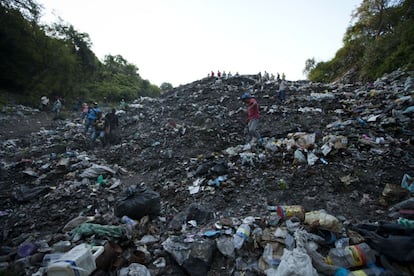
point(288, 211)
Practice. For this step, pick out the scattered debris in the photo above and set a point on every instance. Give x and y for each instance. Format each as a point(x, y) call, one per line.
point(182, 193)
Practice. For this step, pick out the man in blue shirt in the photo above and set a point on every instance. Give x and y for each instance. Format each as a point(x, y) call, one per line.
point(92, 115)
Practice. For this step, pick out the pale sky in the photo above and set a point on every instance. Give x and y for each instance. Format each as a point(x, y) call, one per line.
point(181, 41)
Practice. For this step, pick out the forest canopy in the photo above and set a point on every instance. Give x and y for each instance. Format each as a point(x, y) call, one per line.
point(379, 40)
point(57, 61)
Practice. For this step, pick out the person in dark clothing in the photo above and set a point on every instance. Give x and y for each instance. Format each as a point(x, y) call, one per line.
point(111, 126)
point(98, 130)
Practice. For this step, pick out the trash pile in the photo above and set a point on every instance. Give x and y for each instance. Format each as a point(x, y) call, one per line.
point(327, 191)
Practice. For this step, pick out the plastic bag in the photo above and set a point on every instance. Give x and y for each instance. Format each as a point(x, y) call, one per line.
point(408, 183)
point(135, 269)
point(394, 241)
point(294, 263)
point(323, 220)
point(312, 158)
point(225, 245)
point(96, 170)
point(138, 204)
point(299, 157)
point(89, 229)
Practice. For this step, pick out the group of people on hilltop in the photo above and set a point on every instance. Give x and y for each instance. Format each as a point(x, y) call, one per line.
point(269, 77)
point(99, 125)
point(220, 75)
point(281, 85)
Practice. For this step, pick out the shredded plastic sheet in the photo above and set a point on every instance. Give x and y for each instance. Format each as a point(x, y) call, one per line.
point(96, 170)
point(89, 229)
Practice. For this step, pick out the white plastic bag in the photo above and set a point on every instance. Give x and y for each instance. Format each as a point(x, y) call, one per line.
point(294, 263)
point(312, 158)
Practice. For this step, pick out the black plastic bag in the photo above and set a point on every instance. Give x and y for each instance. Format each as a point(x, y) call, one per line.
point(389, 239)
point(139, 203)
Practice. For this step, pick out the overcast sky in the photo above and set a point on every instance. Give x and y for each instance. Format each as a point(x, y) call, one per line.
point(181, 41)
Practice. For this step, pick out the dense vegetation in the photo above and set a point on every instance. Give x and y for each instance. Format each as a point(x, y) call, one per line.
point(57, 60)
point(380, 40)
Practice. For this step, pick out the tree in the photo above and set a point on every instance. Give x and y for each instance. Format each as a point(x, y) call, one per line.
point(118, 79)
point(118, 64)
point(29, 9)
point(310, 64)
point(380, 40)
point(166, 86)
point(21, 52)
point(81, 46)
point(57, 60)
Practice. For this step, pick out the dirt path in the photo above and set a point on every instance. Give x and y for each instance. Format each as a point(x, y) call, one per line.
point(15, 126)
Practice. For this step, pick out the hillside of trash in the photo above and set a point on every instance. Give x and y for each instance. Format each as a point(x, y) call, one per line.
point(180, 191)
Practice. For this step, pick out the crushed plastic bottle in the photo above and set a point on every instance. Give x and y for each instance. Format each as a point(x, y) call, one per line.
point(242, 233)
point(351, 256)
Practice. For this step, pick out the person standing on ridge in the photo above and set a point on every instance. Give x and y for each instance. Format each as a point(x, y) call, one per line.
point(282, 90)
point(253, 115)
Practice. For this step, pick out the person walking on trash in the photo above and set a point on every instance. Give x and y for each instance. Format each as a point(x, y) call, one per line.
point(44, 101)
point(56, 107)
point(98, 129)
point(111, 126)
point(92, 115)
point(253, 115)
point(85, 111)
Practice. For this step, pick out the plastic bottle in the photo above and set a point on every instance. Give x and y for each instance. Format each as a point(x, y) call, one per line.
point(351, 256)
point(242, 233)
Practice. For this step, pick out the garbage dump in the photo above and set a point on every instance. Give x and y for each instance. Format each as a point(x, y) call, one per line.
point(328, 189)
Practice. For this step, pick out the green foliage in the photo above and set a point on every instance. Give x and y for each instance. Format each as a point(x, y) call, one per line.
point(380, 40)
point(29, 9)
point(165, 86)
point(310, 64)
point(57, 60)
point(118, 79)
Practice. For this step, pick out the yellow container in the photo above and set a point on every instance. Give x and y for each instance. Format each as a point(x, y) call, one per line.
point(288, 211)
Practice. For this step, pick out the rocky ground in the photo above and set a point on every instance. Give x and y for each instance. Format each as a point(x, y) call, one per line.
point(188, 146)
